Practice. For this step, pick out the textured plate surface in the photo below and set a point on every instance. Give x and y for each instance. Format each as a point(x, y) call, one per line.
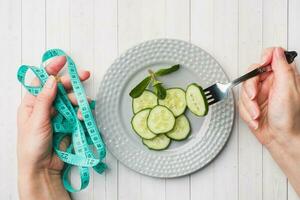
point(114, 112)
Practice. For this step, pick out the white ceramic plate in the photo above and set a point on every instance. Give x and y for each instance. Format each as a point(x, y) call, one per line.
point(114, 112)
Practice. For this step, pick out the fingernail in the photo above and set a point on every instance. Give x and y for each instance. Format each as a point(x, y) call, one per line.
point(79, 114)
point(50, 82)
point(253, 125)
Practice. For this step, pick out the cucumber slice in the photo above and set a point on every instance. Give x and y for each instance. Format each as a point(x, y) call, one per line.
point(160, 142)
point(196, 100)
point(147, 100)
point(175, 101)
point(160, 120)
point(181, 130)
point(139, 124)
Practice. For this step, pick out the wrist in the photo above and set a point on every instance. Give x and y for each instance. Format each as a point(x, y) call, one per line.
point(284, 145)
point(41, 184)
point(285, 151)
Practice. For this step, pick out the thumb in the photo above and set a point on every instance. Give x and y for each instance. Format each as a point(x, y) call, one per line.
point(44, 100)
point(282, 70)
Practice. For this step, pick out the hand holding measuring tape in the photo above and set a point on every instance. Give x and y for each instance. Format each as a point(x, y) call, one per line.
point(66, 123)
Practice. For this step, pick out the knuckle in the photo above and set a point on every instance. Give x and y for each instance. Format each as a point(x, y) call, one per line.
point(42, 96)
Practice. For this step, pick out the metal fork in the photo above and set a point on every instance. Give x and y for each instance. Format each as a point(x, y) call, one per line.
point(219, 91)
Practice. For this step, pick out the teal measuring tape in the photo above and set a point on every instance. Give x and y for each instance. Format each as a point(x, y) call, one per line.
point(65, 123)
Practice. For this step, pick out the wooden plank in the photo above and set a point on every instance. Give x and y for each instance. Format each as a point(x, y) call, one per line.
point(215, 28)
point(57, 25)
point(130, 14)
point(177, 25)
point(177, 19)
point(202, 31)
point(274, 34)
point(10, 50)
point(33, 31)
point(226, 52)
point(293, 44)
point(250, 150)
point(139, 21)
point(105, 51)
point(82, 51)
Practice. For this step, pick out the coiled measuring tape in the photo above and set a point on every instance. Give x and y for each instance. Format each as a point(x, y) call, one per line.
point(65, 123)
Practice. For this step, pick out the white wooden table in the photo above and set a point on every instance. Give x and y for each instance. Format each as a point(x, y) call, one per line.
point(95, 32)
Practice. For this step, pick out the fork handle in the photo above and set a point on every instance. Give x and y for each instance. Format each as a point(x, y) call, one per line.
point(290, 56)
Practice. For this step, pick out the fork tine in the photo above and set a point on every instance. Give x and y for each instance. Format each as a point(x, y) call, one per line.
point(212, 102)
point(208, 95)
point(209, 98)
point(206, 90)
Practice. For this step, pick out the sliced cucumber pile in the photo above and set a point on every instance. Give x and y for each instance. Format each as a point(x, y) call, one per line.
point(175, 101)
point(139, 124)
point(181, 129)
point(160, 142)
point(160, 120)
point(196, 100)
point(147, 100)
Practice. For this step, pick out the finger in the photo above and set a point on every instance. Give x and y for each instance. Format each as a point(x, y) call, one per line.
point(65, 142)
point(282, 70)
point(266, 56)
point(73, 99)
point(56, 161)
point(250, 86)
point(264, 89)
point(65, 80)
point(56, 65)
point(26, 106)
point(250, 105)
point(44, 101)
point(24, 113)
point(253, 124)
point(29, 99)
point(79, 115)
point(293, 65)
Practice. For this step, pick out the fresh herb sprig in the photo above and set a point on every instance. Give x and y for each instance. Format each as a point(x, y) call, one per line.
point(157, 85)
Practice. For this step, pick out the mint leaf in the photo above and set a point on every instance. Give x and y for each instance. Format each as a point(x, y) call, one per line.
point(166, 71)
point(139, 89)
point(160, 91)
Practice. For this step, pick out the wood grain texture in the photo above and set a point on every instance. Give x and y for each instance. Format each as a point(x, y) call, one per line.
point(202, 31)
point(177, 26)
point(95, 32)
point(139, 21)
point(211, 28)
point(250, 150)
point(11, 55)
point(105, 51)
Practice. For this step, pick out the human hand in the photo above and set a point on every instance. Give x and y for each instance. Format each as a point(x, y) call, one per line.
point(38, 166)
point(270, 105)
